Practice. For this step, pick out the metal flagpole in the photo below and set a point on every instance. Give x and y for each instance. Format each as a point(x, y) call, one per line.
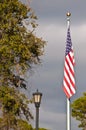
point(68, 100)
point(68, 115)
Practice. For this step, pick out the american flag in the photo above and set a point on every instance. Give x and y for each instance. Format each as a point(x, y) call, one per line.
point(69, 75)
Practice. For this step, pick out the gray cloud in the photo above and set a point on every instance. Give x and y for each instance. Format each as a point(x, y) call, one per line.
point(52, 9)
point(49, 76)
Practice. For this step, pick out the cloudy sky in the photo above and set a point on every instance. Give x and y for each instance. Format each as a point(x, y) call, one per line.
point(48, 77)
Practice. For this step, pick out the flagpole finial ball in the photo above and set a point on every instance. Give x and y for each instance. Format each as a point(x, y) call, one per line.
point(68, 14)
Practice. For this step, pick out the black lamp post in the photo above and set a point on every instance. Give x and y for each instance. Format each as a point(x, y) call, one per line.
point(37, 100)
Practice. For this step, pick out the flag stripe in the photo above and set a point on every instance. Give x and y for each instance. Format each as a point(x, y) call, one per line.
point(69, 86)
point(67, 75)
point(67, 93)
point(68, 83)
point(70, 67)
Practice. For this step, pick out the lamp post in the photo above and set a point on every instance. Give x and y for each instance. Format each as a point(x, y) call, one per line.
point(37, 100)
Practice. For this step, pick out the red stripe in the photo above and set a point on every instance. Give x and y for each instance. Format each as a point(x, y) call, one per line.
point(68, 76)
point(71, 58)
point(67, 94)
point(69, 66)
point(68, 85)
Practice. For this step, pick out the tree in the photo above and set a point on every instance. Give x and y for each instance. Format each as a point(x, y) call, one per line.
point(79, 110)
point(15, 105)
point(20, 49)
point(42, 129)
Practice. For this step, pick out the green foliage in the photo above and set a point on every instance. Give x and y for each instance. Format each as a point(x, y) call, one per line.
point(23, 125)
point(42, 129)
point(20, 124)
point(79, 110)
point(14, 102)
point(20, 49)
point(14, 106)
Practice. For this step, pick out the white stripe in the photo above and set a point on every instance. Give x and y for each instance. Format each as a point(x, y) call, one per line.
point(69, 61)
point(72, 78)
point(67, 89)
point(72, 56)
point(71, 86)
point(67, 78)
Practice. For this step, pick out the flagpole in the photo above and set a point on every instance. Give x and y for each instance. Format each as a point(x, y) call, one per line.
point(68, 100)
point(68, 115)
